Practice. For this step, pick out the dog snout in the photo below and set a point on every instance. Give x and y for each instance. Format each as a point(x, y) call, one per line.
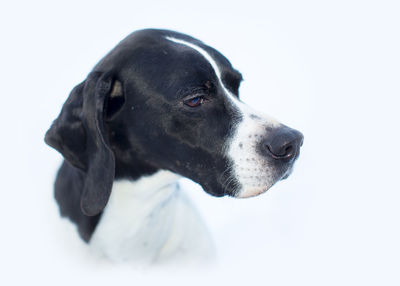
point(283, 144)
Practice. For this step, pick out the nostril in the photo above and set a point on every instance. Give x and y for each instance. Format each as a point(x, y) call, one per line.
point(288, 150)
point(282, 152)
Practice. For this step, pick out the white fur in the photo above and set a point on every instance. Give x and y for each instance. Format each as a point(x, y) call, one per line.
point(251, 169)
point(150, 220)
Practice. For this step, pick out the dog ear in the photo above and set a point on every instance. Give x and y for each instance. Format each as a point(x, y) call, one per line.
point(79, 135)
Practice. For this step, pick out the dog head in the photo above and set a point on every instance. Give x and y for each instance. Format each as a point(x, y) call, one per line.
point(164, 100)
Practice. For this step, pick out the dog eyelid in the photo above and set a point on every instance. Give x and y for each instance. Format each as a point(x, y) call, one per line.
point(194, 101)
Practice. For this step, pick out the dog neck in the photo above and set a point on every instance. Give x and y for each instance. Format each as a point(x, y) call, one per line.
point(149, 220)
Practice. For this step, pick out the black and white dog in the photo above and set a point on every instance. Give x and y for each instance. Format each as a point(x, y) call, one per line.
point(160, 106)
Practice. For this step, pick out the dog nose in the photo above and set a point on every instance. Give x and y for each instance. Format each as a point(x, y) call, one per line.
point(283, 143)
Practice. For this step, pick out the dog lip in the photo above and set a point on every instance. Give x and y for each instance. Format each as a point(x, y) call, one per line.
point(287, 173)
point(285, 176)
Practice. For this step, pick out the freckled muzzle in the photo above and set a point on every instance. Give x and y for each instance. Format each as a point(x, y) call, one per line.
point(275, 154)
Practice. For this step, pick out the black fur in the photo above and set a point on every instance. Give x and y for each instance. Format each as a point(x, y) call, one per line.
point(144, 125)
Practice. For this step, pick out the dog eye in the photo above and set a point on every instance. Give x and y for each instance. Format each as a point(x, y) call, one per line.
point(195, 101)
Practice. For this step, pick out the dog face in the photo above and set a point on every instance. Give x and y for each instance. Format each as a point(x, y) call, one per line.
point(164, 100)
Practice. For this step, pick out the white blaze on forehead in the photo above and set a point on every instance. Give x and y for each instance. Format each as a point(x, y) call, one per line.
point(250, 169)
point(206, 56)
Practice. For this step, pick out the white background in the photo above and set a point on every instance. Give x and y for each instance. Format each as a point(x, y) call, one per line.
point(328, 68)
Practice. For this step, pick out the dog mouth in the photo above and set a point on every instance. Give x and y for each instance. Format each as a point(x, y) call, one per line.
point(288, 172)
point(262, 184)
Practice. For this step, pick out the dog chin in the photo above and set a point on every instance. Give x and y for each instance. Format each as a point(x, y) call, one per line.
point(253, 191)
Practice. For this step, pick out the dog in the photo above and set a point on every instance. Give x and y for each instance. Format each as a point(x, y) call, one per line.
point(158, 107)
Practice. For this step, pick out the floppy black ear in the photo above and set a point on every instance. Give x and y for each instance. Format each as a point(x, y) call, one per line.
point(79, 135)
